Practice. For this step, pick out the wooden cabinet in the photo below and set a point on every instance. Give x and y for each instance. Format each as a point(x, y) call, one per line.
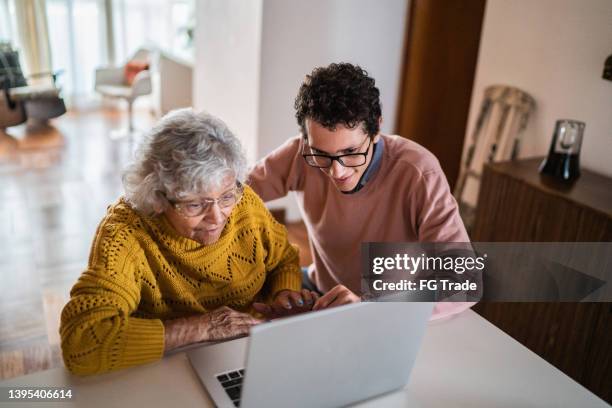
point(516, 204)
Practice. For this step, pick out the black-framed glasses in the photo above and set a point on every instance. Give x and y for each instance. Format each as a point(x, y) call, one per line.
point(196, 208)
point(324, 161)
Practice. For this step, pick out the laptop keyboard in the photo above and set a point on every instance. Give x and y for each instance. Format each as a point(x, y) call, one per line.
point(232, 384)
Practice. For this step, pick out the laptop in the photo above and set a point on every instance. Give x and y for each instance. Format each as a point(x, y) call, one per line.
point(328, 358)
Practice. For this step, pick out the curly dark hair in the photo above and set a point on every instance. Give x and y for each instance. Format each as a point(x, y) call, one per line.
point(340, 93)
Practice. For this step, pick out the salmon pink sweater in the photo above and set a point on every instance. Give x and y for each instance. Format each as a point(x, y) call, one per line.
point(407, 199)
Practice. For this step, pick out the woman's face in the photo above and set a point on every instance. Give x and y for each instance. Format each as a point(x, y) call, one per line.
point(207, 227)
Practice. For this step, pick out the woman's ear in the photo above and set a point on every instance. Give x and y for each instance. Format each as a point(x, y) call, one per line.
point(159, 208)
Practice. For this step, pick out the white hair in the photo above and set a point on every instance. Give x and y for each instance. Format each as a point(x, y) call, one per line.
point(185, 153)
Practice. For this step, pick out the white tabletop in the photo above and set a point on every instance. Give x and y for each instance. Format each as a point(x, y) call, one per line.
point(464, 362)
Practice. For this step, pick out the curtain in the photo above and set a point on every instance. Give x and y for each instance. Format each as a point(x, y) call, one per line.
point(33, 36)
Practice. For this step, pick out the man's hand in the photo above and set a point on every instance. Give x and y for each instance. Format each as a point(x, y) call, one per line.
point(287, 303)
point(338, 295)
point(221, 324)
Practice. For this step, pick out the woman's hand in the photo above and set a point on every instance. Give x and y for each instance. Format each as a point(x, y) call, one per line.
point(226, 323)
point(287, 303)
point(220, 324)
point(338, 295)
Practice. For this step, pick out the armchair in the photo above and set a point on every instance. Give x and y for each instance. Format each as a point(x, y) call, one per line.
point(19, 101)
point(110, 82)
point(11, 114)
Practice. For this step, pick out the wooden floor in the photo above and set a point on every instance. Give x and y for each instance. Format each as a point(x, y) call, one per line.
point(55, 185)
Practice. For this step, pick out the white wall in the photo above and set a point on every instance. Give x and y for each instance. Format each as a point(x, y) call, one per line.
point(226, 70)
point(300, 35)
point(554, 50)
point(296, 36)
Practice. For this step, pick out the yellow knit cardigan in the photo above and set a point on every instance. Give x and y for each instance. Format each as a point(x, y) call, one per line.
point(141, 272)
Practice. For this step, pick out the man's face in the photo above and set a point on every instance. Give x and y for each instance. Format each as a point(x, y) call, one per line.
point(336, 142)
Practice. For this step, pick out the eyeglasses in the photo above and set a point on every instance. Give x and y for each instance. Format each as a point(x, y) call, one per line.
point(196, 208)
point(324, 161)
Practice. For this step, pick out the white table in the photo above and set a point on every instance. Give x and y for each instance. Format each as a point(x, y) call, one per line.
point(464, 362)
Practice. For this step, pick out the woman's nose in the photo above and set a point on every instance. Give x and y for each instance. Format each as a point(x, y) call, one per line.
point(215, 215)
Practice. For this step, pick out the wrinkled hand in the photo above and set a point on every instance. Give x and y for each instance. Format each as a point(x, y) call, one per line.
point(338, 295)
point(226, 323)
point(287, 303)
point(220, 324)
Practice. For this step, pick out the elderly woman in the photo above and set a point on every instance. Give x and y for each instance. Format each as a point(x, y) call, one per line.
point(182, 257)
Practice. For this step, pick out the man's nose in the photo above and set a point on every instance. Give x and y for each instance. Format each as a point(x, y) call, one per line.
point(336, 168)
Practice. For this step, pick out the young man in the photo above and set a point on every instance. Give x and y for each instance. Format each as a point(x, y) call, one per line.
point(354, 184)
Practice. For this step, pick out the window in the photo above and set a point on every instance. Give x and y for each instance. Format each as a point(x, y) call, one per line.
point(7, 16)
point(79, 40)
point(152, 23)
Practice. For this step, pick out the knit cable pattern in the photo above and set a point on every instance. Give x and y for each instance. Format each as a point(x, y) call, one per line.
point(141, 272)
